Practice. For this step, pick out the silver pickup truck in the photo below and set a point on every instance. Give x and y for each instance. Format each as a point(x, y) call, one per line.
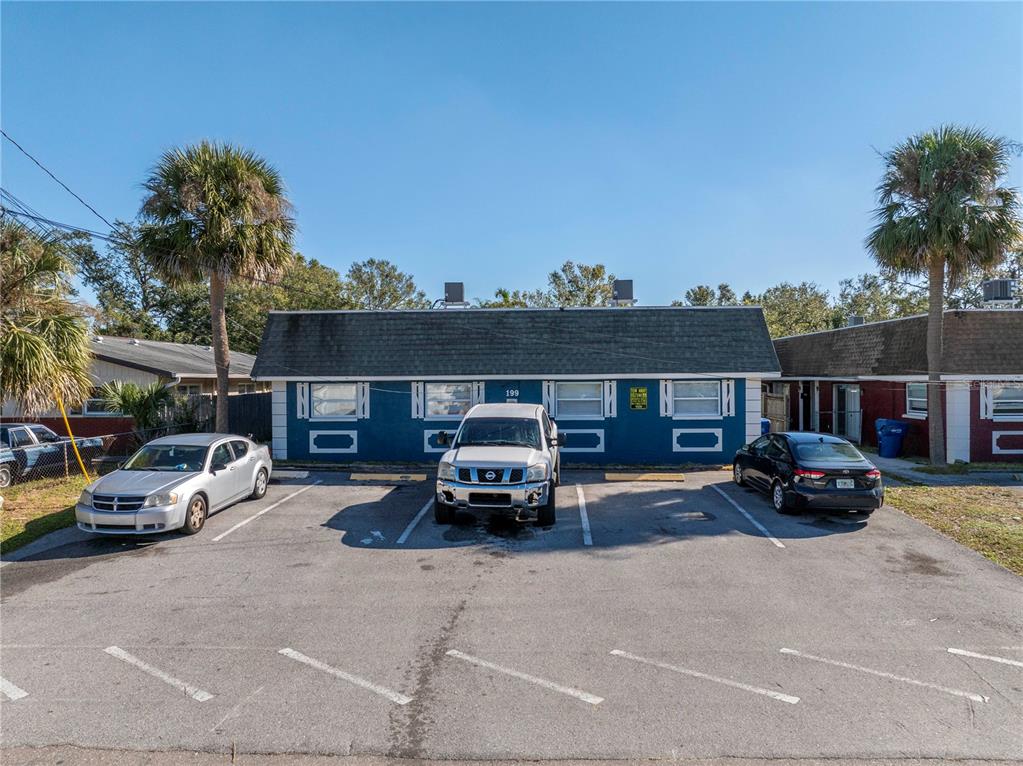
point(503, 459)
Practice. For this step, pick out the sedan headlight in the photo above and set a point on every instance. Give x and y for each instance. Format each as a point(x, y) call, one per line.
point(446, 471)
point(163, 498)
point(85, 498)
point(537, 472)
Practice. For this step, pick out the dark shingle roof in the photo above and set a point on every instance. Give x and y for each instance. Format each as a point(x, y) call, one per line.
point(515, 342)
point(168, 359)
point(976, 342)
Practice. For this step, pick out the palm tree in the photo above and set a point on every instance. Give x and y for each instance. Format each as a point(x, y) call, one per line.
point(44, 340)
point(146, 405)
point(216, 212)
point(941, 212)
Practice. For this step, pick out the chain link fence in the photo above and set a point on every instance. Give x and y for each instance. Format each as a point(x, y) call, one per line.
point(32, 451)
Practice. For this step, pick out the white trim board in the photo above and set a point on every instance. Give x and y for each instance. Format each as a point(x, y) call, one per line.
point(680, 375)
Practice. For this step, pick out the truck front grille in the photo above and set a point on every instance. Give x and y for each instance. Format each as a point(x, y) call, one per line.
point(497, 475)
point(490, 498)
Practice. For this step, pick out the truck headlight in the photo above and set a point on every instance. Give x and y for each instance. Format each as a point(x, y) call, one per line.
point(164, 498)
point(446, 471)
point(85, 498)
point(537, 472)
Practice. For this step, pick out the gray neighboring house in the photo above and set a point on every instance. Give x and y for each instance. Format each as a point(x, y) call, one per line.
point(186, 368)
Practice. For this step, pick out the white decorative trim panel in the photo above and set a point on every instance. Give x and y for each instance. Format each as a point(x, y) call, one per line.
point(610, 398)
point(716, 432)
point(996, 450)
point(548, 397)
point(427, 447)
point(418, 401)
point(302, 401)
point(598, 447)
point(754, 409)
point(315, 450)
point(957, 421)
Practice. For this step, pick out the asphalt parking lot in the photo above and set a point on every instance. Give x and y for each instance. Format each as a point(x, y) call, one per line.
point(667, 620)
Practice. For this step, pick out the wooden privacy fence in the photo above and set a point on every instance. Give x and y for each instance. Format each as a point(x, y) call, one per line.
point(250, 414)
point(776, 409)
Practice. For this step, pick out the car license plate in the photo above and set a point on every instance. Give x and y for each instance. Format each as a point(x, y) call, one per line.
point(845, 483)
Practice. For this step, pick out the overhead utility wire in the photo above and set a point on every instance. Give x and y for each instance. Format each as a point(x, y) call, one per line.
point(51, 175)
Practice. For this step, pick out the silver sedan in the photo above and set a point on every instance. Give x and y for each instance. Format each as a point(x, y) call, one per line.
point(175, 483)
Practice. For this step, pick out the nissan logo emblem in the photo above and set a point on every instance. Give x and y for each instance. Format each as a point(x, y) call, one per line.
point(490, 475)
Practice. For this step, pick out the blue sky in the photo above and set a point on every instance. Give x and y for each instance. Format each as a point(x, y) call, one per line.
point(676, 143)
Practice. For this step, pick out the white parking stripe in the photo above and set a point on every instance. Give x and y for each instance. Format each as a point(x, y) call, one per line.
point(889, 676)
point(269, 508)
point(415, 520)
point(587, 537)
point(11, 691)
point(584, 696)
point(383, 691)
point(192, 691)
point(745, 513)
point(696, 674)
point(1003, 660)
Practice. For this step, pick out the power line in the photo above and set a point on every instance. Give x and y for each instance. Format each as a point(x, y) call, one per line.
point(51, 175)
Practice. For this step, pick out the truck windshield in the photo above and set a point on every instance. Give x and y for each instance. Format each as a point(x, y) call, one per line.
point(181, 458)
point(492, 432)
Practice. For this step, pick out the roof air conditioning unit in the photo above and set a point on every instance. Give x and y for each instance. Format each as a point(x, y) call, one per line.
point(621, 293)
point(999, 293)
point(454, 295)
point(854, 320)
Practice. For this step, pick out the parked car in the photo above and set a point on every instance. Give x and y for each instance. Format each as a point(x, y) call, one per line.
point(809, 470)
point(504, 459)
point(30, 450)
point(175, 482)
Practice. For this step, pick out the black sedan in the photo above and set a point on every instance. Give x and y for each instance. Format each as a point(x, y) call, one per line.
point(807, 470)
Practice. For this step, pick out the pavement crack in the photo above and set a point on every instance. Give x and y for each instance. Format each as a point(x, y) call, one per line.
point(410, 724)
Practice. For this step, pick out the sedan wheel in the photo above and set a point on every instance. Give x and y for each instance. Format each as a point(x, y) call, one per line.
point(5, 476)
point(195, 515)
point(737, 475)
point(778, 500)
point(260, 487)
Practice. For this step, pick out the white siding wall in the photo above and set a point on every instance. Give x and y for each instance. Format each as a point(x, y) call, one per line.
point(752, 408)
point(279, 420)
point(106, 372)
point(957, 421)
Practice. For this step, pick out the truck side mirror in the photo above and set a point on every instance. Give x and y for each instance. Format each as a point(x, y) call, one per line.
point(442, 438)
point(561, 440)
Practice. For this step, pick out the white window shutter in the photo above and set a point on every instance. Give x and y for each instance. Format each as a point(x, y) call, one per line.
point(418, 406)
point(985, 401)
point(478, 392)
point(363, 400)
point(728, 398)
point(549, 398)
point(302, 401)
point(666, 398)
point(610, 398)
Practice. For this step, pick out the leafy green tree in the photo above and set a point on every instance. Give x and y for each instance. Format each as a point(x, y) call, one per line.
point(877, 297)
point(704, 295)
point(942, 212)
point(128, 289)
point(794, 309)
point(579, 284)
point(378, 284)
point(213, 213)
point(44, 339)
point(968, 293)
point(147, 405)
point(505, 299)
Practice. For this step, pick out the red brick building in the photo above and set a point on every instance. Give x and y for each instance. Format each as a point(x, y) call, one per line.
point(840, 381)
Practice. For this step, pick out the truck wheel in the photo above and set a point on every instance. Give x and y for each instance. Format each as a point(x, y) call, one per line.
point(195, 515)
point(442, 514)
point(5, 476)
point(546, 514)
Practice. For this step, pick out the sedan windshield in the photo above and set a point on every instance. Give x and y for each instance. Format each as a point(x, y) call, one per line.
point(828, 452)
point(182, 458)
point(490, 432)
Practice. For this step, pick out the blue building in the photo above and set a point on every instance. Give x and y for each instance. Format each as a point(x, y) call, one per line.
point(638, 385)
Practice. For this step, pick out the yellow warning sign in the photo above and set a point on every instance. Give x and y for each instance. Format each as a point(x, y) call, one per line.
point(637, 398)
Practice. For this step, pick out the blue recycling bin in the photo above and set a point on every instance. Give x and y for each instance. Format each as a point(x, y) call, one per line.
point(765, 425)
point(890, 434)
